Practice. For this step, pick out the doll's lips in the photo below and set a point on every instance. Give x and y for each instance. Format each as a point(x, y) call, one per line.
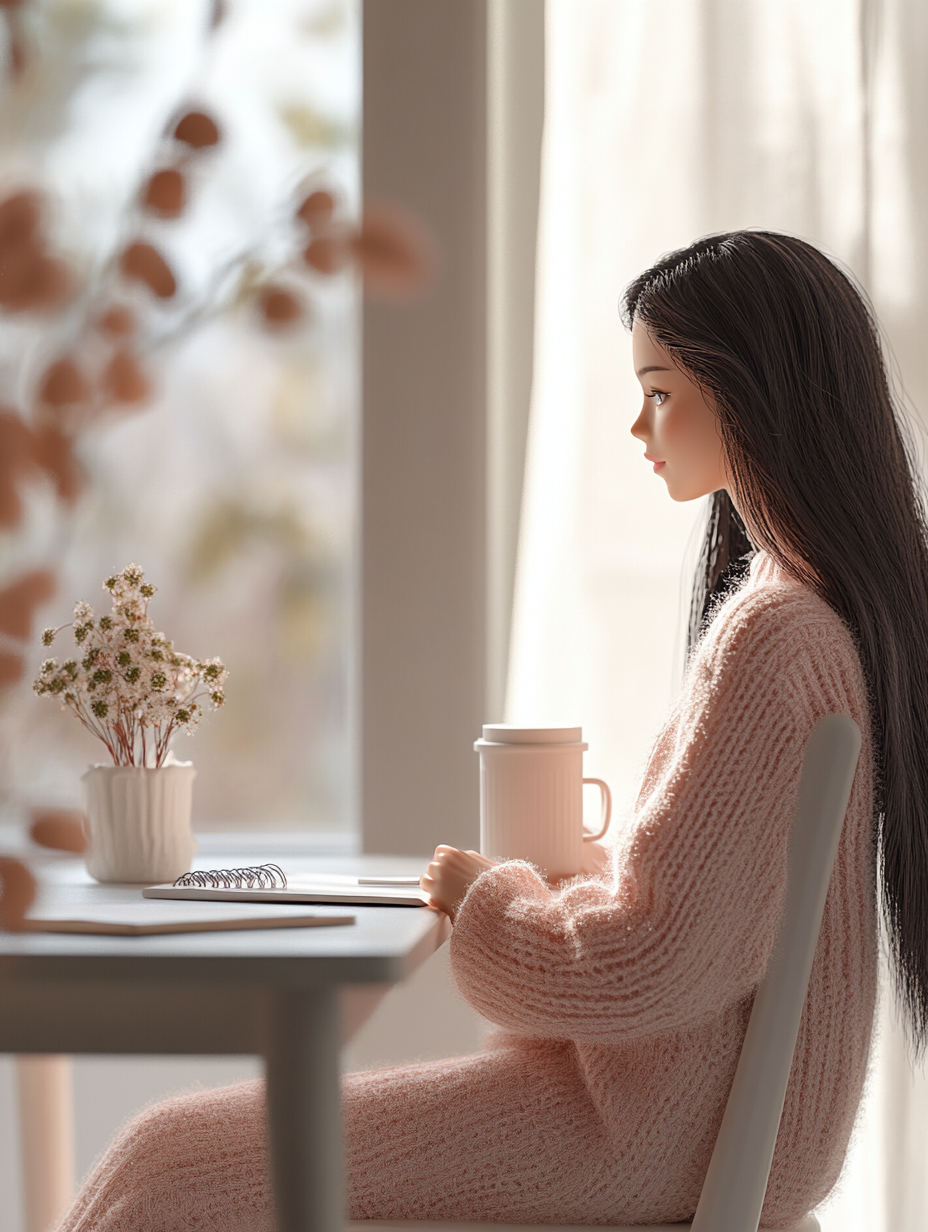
point(656, 461)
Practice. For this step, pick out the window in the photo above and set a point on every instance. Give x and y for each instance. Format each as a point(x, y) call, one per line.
point(234, 487)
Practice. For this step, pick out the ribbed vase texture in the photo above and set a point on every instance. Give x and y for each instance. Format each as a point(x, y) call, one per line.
point(139, 822)
point(531, 805)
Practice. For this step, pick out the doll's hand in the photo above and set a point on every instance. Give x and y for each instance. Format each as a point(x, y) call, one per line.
point(450, 875)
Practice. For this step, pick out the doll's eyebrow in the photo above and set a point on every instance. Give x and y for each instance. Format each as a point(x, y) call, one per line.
point(653, 368)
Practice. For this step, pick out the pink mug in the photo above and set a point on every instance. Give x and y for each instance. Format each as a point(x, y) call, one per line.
point(531, 797)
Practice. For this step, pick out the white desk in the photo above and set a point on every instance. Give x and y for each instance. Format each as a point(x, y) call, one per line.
point(274, 993)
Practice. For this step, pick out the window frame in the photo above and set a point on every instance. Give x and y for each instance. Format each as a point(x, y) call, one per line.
point(452, 113)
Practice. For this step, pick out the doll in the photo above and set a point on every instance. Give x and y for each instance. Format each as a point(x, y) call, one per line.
point(621, 999)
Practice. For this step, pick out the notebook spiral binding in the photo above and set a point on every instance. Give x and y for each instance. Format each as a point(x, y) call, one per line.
point(257, 877)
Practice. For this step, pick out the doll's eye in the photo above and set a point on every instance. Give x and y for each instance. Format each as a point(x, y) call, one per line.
point(657, 396)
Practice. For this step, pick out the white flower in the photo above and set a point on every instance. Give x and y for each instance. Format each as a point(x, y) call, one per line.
point(128, 684)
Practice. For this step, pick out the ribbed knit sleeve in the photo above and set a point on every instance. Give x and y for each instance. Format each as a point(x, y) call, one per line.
point(687, 921)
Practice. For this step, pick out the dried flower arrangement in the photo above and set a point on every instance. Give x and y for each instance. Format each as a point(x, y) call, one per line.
point(129, 686)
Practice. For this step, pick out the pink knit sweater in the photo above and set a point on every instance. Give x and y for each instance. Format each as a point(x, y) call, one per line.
point(623, 1000)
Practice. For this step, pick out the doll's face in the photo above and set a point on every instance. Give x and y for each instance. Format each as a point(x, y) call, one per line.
point(677, 424)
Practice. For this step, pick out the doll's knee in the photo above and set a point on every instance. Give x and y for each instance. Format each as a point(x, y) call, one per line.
point(203, 1125)
point(178, 1159)
point(156, 1128)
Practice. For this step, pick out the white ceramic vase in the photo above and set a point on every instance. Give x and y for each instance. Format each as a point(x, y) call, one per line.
point(139, 822)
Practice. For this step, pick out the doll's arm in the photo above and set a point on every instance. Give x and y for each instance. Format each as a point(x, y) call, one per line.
point(451, 873)
point(689, 922)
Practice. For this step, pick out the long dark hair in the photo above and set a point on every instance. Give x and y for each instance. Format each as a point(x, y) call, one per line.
point(823, 476)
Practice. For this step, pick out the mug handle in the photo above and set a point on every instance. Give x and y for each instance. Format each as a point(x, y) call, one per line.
point(607, 810)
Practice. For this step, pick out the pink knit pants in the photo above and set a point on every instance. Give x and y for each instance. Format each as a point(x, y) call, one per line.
point(507, 1135)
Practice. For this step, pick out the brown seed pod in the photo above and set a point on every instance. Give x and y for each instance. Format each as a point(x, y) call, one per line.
point(17, 893)
point(30, 281)
point(124, 380)
point(19, 217)
point(165, 194)
point(279, 307)
point(395, 252)
point(49, 284)
point(317, 210)
point(11, 505)
point(54, 452)
point(326, 254)
point(197, 129)
point(61, 829)
point(118, 322)
point(19, 601)
point(64, 384)
point(12, 668)
point(145, 263)
point(17, 457)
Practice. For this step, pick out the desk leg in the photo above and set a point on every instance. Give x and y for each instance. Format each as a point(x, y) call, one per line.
point(46, 1123)
point(304, 1111)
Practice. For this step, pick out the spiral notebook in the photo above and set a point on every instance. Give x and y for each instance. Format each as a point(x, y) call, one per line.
point(268, 883)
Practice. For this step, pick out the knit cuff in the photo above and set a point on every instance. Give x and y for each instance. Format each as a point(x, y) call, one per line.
point(480, 926)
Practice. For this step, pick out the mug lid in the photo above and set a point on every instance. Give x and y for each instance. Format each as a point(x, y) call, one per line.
point(508, 733)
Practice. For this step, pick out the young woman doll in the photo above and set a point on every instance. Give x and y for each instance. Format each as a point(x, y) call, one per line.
point(623, 998)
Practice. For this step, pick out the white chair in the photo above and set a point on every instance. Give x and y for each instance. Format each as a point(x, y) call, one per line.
point(734, 1188)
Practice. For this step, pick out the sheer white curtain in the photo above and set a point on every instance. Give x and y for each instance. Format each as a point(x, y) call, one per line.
point(668, 119)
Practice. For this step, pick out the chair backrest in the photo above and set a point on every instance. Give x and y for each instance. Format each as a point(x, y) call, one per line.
point(734, 1188)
